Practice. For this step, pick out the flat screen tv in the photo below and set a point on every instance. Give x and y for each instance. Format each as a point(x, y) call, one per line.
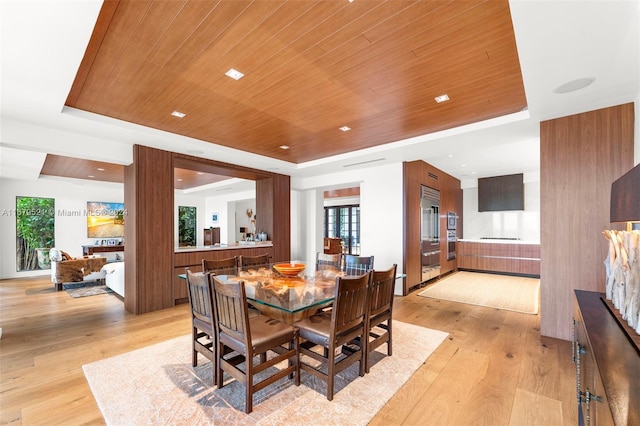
point(501, 193)
point(105, 220)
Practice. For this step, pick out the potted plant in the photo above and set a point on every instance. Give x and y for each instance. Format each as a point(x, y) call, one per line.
point(35, 224)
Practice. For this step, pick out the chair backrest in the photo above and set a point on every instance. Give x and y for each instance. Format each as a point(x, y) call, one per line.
point(200, 296)
point(328, 261)
point(227, 266)
point(254, 261)
point(232, 311)
point(381, 291)
point(349, 304)
point(357, 265)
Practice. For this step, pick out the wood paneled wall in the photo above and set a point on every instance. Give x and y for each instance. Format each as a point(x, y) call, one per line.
point(148, 229)
point(273, 209)
point(149, 225)
point(580, 156)
point(415, 174)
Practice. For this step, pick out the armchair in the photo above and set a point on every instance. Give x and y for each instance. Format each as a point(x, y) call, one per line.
point(65, 269)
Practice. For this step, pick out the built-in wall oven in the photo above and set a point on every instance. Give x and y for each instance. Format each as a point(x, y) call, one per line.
point(452, 221)
point(430, 233)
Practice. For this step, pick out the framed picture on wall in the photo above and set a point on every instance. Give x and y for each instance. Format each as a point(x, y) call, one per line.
point(214, 217)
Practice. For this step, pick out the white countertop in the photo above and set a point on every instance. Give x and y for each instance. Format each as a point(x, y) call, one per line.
point(496, 241)
point(232, 246)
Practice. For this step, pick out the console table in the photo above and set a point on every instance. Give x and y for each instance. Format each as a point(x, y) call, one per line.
point(607, 365)
point(88, 250)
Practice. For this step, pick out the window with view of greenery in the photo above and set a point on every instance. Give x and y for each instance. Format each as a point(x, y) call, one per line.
point(35, 232)
point(186, 226)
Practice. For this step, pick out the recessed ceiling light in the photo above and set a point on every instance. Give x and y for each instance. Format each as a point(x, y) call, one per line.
point(284, 146)
point(345, 128)
point(574, 85)
point(442, 98)
point(100, 169)
point(178, 114)
point(234, 74)
point(179, 180)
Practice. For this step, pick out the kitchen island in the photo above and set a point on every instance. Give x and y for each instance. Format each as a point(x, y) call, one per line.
point(510, 256)
point(191, 257)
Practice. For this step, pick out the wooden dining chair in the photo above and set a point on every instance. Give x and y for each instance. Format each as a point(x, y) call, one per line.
point(379, 311)
point(251, 337)
point(254, 262)
point(329, 330)
point(328, 261)
point(202, 318)
point(228, 266)
point(357, 265)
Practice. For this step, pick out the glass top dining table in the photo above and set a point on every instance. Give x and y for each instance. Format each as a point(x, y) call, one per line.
point(287, 298)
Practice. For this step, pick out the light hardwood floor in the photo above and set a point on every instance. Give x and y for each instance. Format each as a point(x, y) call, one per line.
point(493, 369)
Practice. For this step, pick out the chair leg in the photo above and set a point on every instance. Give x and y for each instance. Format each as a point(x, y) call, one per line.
point(389, 346)
point(219, 372)
point(194, 357)
point(248, 408)
point(331, 362)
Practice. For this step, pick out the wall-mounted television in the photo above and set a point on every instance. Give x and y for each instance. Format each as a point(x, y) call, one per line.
point(501, 193)
point(105, 220)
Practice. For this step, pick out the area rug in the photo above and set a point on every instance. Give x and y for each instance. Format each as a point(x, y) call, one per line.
point(84, 289)
point(511, 293)
point(157, 385)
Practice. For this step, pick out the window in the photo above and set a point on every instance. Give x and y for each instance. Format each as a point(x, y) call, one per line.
point(344, 222)
point(187, 226)
point(35, 232)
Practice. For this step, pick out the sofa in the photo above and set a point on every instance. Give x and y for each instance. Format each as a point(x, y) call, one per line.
point(114, 277)
point(67, 269)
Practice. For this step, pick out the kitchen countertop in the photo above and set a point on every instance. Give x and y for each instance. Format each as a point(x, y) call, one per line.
point(496, 241)
point(232, 246)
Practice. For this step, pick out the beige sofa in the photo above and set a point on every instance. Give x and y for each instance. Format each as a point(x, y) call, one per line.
point(66, 269)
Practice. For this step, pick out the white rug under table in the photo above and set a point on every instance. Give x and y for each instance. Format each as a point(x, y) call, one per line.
point(157, 385)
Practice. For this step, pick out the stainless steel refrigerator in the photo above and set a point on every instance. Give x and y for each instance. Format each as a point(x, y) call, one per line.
point(430, 233)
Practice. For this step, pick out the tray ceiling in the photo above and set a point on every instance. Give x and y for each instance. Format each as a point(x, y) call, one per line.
point(310, 67)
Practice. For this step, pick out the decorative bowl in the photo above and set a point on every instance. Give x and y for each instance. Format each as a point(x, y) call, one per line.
point(289, 269)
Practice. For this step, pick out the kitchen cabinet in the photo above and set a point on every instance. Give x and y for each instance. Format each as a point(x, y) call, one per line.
point(504, 256)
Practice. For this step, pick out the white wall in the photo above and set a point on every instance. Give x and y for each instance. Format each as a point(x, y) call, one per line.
point(381, 212)
point(70, 231)
point(524, 225)
point(228, 220)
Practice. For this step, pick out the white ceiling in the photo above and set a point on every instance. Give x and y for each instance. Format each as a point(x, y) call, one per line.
point(43, 41)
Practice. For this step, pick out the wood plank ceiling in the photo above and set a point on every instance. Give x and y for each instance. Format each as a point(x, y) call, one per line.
point(310, 68)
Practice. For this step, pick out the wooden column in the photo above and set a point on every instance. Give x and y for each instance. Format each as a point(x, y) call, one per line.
point(580, 156)
point(148, 195)
point(273, 210)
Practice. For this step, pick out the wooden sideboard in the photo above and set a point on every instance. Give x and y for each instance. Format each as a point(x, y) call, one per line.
point(607, 364)
point(211, 236)
point(88, 250)
point(504, 256)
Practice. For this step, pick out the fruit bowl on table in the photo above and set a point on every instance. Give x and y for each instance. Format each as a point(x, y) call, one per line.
point(289, 269)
